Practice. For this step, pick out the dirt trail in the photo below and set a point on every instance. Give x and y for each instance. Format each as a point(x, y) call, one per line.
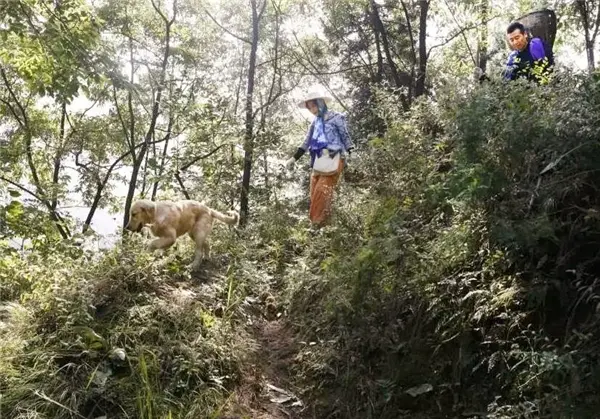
point(267, 391)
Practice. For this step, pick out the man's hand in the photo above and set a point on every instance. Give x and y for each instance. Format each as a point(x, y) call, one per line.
point(289, 164)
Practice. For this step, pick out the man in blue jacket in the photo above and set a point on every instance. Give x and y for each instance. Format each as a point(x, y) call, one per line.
point(531, 58)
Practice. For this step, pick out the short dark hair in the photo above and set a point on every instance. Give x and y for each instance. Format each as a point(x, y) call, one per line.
point(514, 26)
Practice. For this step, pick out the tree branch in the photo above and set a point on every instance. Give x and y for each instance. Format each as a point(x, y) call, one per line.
point(315, 70)
point(462, 33)
point(410, 32)
point(160, 13)
point(23, 188)
point(63, 230)
point(54, 215)
point(597, 24)
point(13, 111)
point(58, 157)
point(332, 73)
point(188, 165)
point(459, 33)
point(25, 121)
point(182, 185)
point(240, 38)
point(262, 10)
point(202, 157)
point(119, 114)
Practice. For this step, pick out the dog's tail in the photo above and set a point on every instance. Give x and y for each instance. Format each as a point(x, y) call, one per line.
point(232, 217)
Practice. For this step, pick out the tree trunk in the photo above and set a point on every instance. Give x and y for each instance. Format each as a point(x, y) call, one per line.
point(167, 138)
point(482, 45)
point(249, 133)
point(155, 112)
point(585, 14)
point(23, 121)
point(380, 28)
point(163, 159)
point(58, 157)
point(144, 168)
point(589, 46)
point(379, 76)
point(422, 71)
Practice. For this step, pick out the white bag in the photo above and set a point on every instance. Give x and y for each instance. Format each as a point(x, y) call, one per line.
point(326, 164)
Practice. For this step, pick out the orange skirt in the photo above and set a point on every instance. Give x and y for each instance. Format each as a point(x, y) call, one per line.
point(322, 187)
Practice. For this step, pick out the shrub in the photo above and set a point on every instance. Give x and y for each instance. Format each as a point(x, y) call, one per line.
point(467, 281)
point(116, 336)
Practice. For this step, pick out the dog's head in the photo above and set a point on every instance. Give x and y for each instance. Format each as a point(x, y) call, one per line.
point(141, 213)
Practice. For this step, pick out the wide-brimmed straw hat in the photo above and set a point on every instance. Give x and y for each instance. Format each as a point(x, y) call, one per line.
point(312, 96)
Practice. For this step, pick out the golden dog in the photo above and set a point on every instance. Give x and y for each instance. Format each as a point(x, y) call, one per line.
point(170, 219)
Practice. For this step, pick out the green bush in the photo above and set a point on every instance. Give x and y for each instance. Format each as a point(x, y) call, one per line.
point(115, 335)
point(467, 281)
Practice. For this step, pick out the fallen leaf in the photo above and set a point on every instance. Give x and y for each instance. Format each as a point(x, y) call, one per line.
point(422, 389)
point(277, 389)
point(280, 399)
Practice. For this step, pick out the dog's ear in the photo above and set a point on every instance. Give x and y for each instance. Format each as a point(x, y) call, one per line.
point(146, 210)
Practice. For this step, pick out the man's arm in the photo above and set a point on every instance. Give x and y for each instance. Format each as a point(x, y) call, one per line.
point(508, 70)
point(537, 49)
point(541, 66)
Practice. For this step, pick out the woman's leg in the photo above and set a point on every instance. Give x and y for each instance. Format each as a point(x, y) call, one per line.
point(314, 180)
point(321, 196)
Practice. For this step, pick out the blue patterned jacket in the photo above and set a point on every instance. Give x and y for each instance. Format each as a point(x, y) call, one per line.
point(336, 132)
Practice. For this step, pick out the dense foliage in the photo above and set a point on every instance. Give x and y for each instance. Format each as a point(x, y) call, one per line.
point(458, 277)
point(467, 271)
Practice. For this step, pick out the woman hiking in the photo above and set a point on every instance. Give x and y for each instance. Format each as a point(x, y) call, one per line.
point(329, 146)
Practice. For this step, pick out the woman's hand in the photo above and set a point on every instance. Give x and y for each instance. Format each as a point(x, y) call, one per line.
point(347, 156)
point(289, 164)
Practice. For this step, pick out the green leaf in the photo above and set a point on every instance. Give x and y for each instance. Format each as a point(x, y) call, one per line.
point(93, 339)
point(15, 209)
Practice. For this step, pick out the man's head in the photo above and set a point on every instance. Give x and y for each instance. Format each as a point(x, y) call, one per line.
point(517, 36)
point(141, 213)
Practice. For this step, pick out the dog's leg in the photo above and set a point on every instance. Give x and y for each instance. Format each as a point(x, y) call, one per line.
point(206, 248)
point(199, 238)
point(197, 251)
point(200, 235)
point(164, 242)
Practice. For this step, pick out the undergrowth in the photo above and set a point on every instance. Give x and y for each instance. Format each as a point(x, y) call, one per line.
point(126, 334)
point(458, 279)
point(460, 276)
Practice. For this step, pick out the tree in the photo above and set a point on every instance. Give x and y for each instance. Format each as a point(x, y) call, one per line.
point(48, 50)
point(266, 55)
point(483, 40)
point(589, 16)
point(138, 156)
point(257, 13)
point(423, 53)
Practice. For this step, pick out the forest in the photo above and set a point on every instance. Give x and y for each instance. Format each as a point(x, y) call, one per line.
point(457, 278)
